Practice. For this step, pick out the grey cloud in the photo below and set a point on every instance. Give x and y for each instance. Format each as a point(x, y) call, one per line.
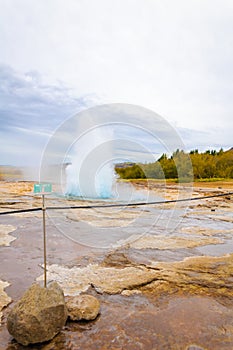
point(25, 100)
point(29, 113)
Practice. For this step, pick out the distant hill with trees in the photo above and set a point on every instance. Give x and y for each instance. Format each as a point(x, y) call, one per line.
point(210, 164)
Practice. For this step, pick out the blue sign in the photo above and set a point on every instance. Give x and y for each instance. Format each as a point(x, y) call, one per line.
point(42, 188)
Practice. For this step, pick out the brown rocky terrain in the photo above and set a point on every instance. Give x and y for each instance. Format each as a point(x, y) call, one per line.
point(159, 288)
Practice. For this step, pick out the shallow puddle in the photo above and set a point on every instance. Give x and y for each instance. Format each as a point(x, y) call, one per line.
point(137, 322)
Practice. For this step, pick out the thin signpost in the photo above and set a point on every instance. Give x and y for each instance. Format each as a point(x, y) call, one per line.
point(42, 189)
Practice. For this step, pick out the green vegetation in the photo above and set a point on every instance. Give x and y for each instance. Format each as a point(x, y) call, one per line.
point(134, 171)
point(211, 165)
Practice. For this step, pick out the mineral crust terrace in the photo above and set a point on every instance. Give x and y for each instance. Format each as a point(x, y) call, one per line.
point(195, 275)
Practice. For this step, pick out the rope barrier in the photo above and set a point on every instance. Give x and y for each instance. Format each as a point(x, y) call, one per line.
point(20, 211)
point(117, 205)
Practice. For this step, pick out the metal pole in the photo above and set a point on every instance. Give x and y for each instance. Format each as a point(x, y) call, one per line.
point(44, 238)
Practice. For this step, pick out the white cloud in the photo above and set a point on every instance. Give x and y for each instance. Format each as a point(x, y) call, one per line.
point(174, 57)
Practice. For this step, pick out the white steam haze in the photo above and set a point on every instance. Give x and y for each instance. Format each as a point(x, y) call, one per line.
point(91, 172)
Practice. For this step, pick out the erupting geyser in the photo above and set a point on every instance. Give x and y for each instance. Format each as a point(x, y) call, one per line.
point(91, 172)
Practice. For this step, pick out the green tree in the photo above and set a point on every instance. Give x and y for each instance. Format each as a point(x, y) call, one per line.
point(209, 164)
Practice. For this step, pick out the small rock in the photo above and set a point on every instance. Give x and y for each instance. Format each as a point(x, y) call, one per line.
point(39, 315)
point(82, 307)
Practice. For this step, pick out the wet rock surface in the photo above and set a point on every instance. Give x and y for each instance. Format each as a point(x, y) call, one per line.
point(198, 275)
point(140, 323)
point(171, 293)
point(39, 315)
point(158, 242)
point(5, 237)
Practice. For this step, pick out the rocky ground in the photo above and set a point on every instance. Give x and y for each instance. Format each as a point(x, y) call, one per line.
point(162, 273)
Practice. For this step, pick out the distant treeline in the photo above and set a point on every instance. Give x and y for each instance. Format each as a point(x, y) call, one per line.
point(183, 166)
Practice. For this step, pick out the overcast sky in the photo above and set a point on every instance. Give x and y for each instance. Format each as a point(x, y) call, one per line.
point(58, 57)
